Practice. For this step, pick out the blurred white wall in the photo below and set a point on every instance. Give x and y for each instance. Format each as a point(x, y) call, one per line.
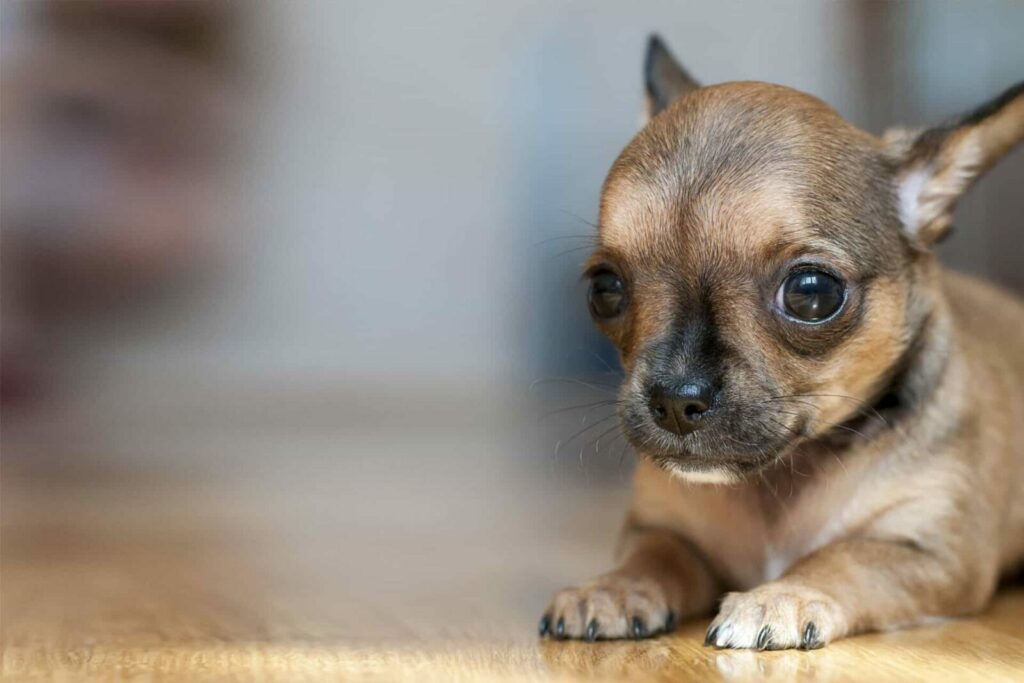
point(402, 163)
point(405, 161)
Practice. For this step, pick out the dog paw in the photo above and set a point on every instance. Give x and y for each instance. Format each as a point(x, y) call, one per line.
point(777, 616)
point(610, 607)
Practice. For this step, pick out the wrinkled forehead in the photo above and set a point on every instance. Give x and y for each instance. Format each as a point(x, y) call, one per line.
point(745, 170)
point(728, 220)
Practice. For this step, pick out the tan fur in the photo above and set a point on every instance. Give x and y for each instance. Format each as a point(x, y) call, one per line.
point(865, 356)
point(907, 519)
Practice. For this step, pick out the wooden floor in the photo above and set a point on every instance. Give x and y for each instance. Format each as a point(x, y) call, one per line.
point(333, 553)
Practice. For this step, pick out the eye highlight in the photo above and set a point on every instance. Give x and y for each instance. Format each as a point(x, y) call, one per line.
point(811, 296)
point(607, 295)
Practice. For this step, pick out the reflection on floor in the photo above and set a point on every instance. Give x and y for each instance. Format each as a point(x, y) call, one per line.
point(217, 547)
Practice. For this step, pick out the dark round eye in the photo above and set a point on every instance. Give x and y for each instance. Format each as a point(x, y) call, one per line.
point(811, 295)
point(607, 294)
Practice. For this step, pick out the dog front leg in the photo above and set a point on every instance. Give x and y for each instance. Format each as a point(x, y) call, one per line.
point(850, 586)
point(661, 580)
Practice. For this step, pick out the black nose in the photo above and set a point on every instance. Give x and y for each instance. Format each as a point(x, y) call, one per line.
point(680, 408)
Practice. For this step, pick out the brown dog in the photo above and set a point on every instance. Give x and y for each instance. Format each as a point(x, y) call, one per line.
point(827, 420)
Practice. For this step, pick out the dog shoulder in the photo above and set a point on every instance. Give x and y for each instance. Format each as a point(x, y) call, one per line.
point(990, 325)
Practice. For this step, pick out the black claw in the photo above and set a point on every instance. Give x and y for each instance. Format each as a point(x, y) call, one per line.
point(670, 621)
point(592, 631)
point(764, 638)
point(709, 638)
point(811, 639)
point(639, 630)
point(545, 625)
point(560, 629)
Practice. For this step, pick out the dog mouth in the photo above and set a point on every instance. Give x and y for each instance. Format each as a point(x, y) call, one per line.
point(728, 445)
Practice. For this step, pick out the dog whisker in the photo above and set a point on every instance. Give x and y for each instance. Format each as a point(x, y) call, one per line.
point(571, 251)
point(597, 386)
point(592, 239)
point(562, 442)
point(581, 219)
point(592, 406)
point(865, 409)
point(600, 436)
point(595, 354)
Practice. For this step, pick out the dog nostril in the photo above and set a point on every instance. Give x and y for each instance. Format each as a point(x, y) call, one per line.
point(660, 407)
point(694, 410)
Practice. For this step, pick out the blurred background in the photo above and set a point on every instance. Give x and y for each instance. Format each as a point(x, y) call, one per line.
point(277, 267)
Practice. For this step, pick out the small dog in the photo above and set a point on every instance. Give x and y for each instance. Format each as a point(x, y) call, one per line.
point(826, 419)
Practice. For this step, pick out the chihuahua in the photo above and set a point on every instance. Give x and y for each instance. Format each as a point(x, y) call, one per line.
point(828, 423)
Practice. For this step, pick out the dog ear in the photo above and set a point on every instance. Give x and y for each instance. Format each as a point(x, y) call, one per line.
point(664, 79)
point(938, 165)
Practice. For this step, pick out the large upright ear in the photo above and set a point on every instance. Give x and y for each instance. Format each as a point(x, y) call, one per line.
point(664, 79)
point(937, 166)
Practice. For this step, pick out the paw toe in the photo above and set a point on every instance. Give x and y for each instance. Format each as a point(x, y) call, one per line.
point(611, 607)
point(811, 639)
point(775, 617)
point(638, 628)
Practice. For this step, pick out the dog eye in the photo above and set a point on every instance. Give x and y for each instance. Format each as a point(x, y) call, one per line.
point(607, 296)
point(811, 296)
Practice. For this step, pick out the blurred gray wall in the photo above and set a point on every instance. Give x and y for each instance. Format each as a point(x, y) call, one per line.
point(926, 61)
point(405, 165)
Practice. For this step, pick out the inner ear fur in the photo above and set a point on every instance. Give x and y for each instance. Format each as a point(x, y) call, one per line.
point(938, 165)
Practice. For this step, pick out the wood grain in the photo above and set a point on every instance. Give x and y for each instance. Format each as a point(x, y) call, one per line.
point(338, 556)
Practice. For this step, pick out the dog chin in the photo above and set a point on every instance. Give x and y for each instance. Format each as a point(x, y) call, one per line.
point(720, 476)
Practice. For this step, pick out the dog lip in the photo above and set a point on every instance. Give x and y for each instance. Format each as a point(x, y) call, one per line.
point(710, 446)
point(700, 459)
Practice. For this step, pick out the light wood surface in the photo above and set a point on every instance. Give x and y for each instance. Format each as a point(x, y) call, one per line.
point(346, 555)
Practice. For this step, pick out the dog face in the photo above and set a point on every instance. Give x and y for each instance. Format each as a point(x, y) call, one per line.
point(762, 269)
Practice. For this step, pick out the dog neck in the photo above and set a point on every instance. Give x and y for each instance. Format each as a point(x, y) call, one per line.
point(910, 384)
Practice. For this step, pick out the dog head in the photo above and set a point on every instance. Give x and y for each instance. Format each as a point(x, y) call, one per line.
point(763, 266)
